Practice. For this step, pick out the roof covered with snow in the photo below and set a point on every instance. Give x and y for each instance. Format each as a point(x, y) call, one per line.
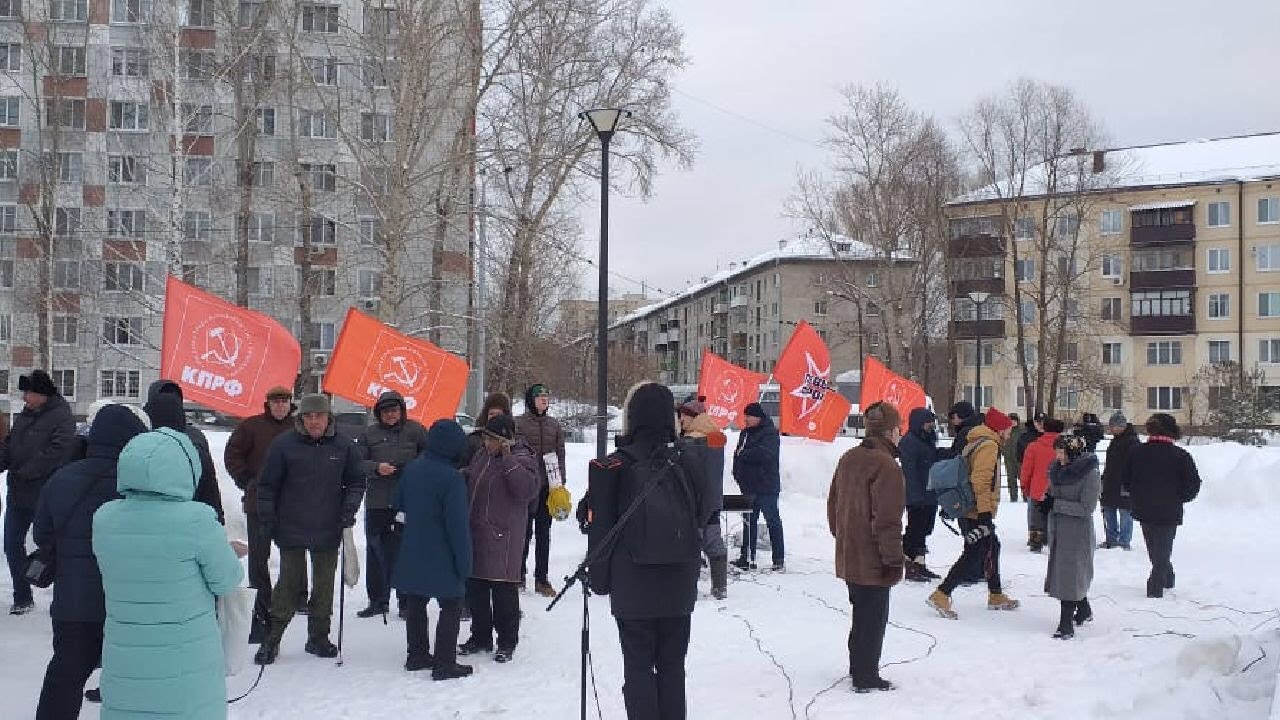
point(1194, 162)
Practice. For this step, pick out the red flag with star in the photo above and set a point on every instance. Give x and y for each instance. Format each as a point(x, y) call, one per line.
point(810, 406)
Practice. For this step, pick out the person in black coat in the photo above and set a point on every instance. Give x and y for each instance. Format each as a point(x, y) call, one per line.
point(1035, 428)
point(962, 417)
point(755, 468)
point(165, 408)
point(41, 441)
point(64, 521)
point(1090, 428)
point(652, 588)
point(1160, 478)
point(1116, 518)
point(918, 451)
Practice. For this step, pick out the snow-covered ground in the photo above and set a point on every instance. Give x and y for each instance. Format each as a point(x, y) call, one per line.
point(776, 648)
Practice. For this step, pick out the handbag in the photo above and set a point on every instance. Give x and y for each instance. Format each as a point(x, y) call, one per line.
point(235, 615)
point(42, 566)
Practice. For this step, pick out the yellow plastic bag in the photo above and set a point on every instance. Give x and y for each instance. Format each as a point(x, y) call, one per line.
point(559, 502)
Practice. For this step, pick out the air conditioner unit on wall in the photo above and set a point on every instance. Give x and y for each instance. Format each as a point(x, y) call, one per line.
point(369, 303)
point(320, 360)
point(1117, 281)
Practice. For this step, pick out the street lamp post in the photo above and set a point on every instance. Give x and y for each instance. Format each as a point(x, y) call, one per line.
point(978, 298)
point(605, 122)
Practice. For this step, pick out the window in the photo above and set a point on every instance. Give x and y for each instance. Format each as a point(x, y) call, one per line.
point(820, 307)
point(69, 167)
point(873, 310)
point(130, 62)
point(6, 274)
point(117, 330)
point(6, 333)
point(1112, 397)
point(1071, 352)
point(1269, 397)
point(1165, 352)
point(965, 310)
point(10, 9)
point(316, 124)
point(1269, 351)
point(1269, 304)
point(247, 12)
point(1268, 210)
point(8, 221)
point(66, 274)
point(126, 170)
point(66, 221)
point(371, 231)
point(322, 336)
point(261, 174)
point(319, 230)
point(1111, 309)
point(1162, 217)
point(197, 275)
point(872, 279)
point(266, 121)
point(1219, 306)
point(197, 226)
point(379, 20)
point(375, 127)
point(323, 177)
point(1219, 352)
point(262, 67)
point(320, 18)
point(198, 118)
point(376, 72)
point(199, 13)
point(1268, 257)
point(10, 57)
point(1112, 353)
point(126, 223)
point(1112, 265)
point(66, 329)
point(68, 10)
point(971, 354)
point(69, 60)
point(130, 12)
point(1027, 311)
point(1024, 229)
point(1161, 303)
point(10, 111)
point(260, 280)
point(1219, 214)
point(65, 113)
point(987, 399)
point(1030, 354)
point(1066, 226)
point(120, 384)
point(1219, 260)
point(1069, 398)
point(121, 277)
point(1112, 222)
point(127, 115)
point(1068, 266)
point(198, 171)
point(322, 282)
point(1164, 398)
point(1024, 270)
point(8, 165)
point(370, 282)
point(1021, 396)
point(65, 381)
point(323, 70)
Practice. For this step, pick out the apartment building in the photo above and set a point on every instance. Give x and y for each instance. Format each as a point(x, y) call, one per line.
point(122, 159)
point(1183, 246)
point(746, 313)
point(578, 317)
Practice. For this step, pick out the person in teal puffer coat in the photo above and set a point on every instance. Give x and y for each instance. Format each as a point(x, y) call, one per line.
point(163, 558)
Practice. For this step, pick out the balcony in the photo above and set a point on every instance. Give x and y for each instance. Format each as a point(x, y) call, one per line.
point(962, 288)
point(1162, 235)
point(973, 246)
point(1161, 279)
point(739, 302)
point(720, 308)
point(968, 329)
point(1162, 325)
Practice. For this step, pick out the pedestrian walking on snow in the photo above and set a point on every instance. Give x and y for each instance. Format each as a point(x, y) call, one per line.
point(1035, 482)
point(1161, 478)
point(1074, 486)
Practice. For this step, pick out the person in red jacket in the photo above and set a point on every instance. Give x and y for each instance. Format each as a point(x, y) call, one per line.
point(1034, 480)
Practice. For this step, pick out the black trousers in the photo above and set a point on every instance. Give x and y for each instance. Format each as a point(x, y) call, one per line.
point(920, 522)
point(259, 573)
point(417, 628)
point(494, 605)
point(866, 634)
point(382, 546)
point(539, 532)
point(1159, 540)
point(985, 554)
point(77, 650)
point(653, 652)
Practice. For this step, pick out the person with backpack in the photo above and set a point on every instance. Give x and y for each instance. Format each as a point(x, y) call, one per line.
point(648, 564)
point(864, 514)
point(1035, 482)
point(977, 464)
point(704, 439)
point(918, 451)
point(1161, 478)
point(1074, 486)
point(755, 467)
point(962, 418)
point(1116, 517)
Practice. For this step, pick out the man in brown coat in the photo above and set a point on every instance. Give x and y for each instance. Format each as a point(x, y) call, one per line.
point(864, 512)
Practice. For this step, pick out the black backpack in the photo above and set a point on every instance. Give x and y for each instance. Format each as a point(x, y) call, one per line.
point(664, 529)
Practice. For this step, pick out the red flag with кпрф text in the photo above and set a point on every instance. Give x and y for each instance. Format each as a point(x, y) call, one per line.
point(809, 404)
point(880, 384)
point(727, 388)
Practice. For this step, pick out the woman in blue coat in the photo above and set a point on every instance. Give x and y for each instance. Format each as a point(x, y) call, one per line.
point(435, 552)
point(163, 559)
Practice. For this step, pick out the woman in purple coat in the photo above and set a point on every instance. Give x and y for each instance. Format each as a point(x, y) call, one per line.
point(501, 482)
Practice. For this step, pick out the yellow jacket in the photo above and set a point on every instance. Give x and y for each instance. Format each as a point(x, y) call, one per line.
point(983, 473)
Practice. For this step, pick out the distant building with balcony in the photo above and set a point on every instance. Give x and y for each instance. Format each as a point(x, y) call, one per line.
point(1183, 241)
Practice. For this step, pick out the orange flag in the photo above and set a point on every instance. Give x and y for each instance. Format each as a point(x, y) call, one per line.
point(880, 384)
point(727, 388)
point(224, 357)
point(810, 404)
point(371, 358)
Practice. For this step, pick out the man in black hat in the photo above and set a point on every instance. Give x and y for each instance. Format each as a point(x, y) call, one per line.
point(755, 468)
point(40, 442)
point(167, 408)
point(545, 437)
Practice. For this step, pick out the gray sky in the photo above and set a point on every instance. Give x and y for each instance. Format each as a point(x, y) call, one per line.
point(1151, 71)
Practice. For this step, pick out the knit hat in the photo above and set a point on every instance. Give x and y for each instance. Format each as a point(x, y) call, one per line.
point(279, 392)
point(314, 403)
point(501, 427)
point(881, 418)
point(165, 410)
point(1118, 419)
point(754, 410)
point(648, 409)
point(693, 406)
point(963, 410)
point(37, 382)
point(997, 420)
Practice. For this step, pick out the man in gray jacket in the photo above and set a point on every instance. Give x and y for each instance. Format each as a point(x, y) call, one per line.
point(385, 447)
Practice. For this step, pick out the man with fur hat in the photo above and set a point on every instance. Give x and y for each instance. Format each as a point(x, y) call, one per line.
point(165, 409)
point(981, 546)
point(308, 492)
point(755, 467)
point(244, 457)
point(385, 447)
point(41, 441)
point(649, 567)
point(545, 437)
point(703, 438)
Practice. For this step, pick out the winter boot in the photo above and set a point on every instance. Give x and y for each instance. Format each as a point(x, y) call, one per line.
point(504, 655)
point(918, 572)
point(1168, 581)
point(743, 564)
point(863, 686)
point(414, 663)
point(544, 588)
point(779, 567)
point(1000, 601)
point(1036, 541)
point(321, 647)
point(719, 578)
point(1066, 630)
point(259, 629)
point(941, 602)
point(266, 654)
point(473, 647)
point(451, 672)
point(373, 610)
point(22, 608)
point(1084, 613)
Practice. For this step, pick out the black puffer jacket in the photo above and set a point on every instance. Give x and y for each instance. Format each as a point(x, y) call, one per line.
point(394, 444)
point(1117, 457)
point(310, 489)
point(207, 490)
point(40, 442)
point(1160, 477)
point(64, 517)
point(918, 451)
point(755, 462)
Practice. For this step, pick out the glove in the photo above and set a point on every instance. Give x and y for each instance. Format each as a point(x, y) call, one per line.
point(1045, 506)
point(977, 534)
